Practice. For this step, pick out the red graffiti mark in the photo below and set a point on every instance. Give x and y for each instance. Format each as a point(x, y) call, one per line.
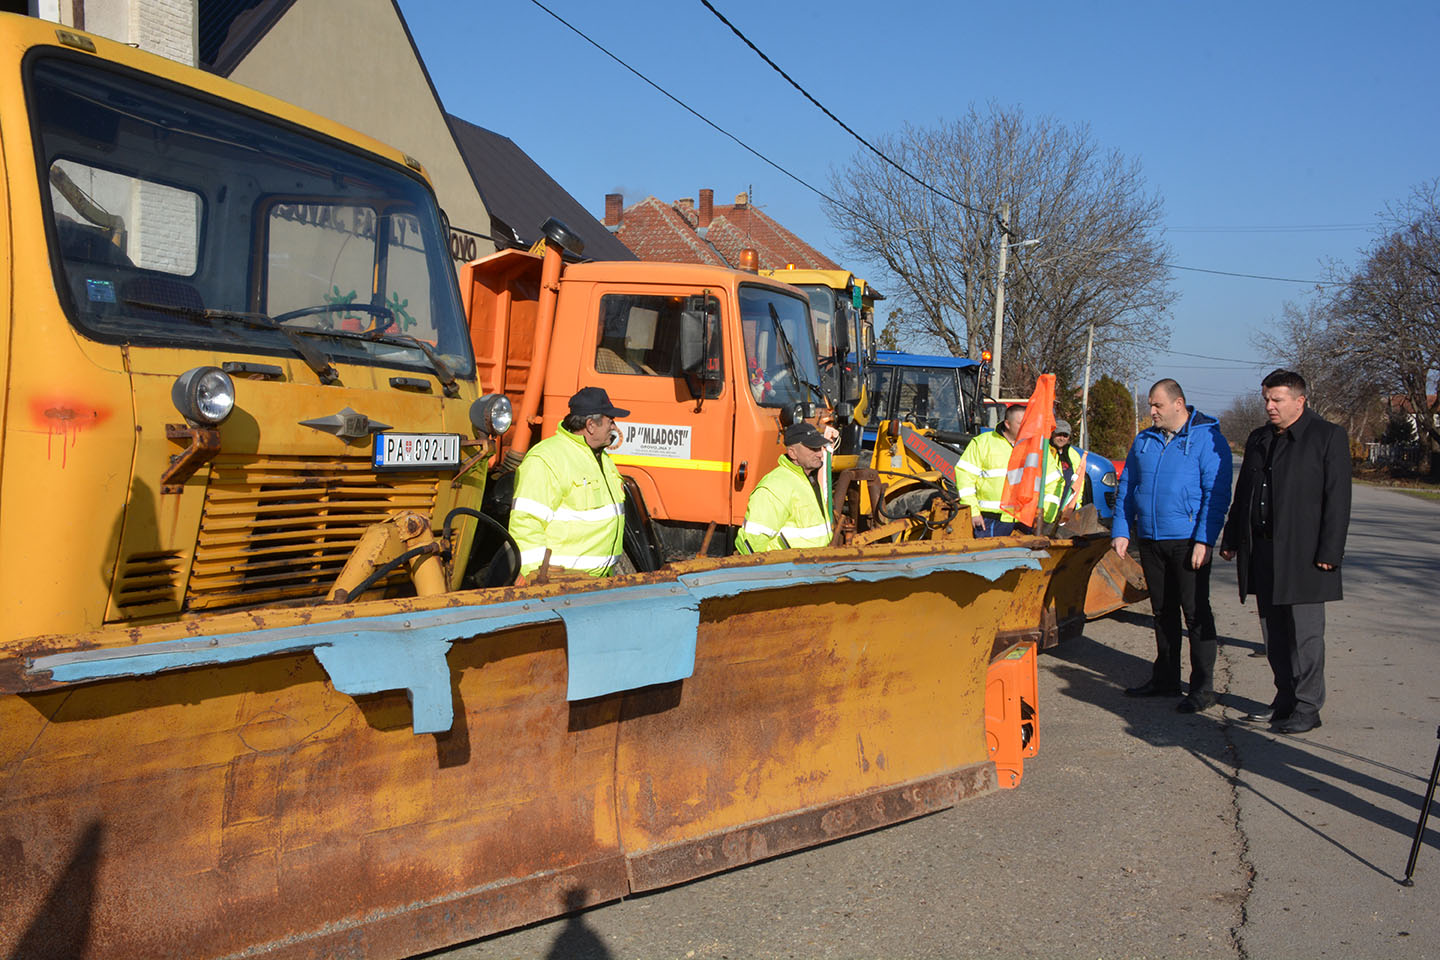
point(65, 417)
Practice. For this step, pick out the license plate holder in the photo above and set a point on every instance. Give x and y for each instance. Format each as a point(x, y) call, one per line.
point(417, 451)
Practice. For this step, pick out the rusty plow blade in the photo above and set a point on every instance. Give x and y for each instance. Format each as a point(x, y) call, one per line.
point(1114, 585)
point(389, 777)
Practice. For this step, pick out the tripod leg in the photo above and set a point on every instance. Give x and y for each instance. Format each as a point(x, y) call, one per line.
point(1424, 815)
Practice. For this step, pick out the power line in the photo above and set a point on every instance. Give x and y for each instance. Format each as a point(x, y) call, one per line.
point(1206, 356)
point(821, 193)
point(1247, 276)
point(1214, 366)
point(845, 126)
point(1169, 265)
point(695, 113)
point(1298, 228)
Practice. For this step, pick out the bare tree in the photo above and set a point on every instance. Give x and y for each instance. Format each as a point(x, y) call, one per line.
point(1245, 413)
point(1101, 257)
point(1388, 314)
point(1308, 338)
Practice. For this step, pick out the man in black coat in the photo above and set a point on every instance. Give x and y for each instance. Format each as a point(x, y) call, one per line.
point(1287, 525)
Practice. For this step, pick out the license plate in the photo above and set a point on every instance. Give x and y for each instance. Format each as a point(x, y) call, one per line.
point(416, 451)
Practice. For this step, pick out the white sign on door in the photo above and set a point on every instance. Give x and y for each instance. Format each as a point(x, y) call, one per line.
point(653, 440)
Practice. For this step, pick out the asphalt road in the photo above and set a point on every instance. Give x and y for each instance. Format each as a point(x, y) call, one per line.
point(1137, 832)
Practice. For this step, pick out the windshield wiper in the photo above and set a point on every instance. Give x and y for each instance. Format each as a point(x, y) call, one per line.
point(313, 358)
point(386, 318)
point(790, 359)
point(442, 370)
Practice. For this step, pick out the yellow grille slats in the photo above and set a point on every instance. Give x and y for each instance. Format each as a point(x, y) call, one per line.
point(147, 579)
point(282, 528)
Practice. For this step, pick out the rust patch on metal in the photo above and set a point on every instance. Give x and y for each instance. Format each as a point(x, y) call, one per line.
point(1114, 585)
point(806, 828)
point(466, 916)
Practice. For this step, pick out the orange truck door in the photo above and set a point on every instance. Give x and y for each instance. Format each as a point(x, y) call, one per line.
point(642, 347)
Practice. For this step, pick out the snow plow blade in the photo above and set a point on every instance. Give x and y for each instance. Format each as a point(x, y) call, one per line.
point(390, 777)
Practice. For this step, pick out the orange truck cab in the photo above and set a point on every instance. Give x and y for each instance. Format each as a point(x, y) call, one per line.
point(710, 362)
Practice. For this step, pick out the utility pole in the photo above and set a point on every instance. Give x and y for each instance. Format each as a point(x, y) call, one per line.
point(1136, 431)
point(999, 311)
point(1085, 393)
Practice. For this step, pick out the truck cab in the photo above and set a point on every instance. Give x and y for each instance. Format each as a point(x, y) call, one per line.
point(932, 393)
point(232, 340)
point(710, 362)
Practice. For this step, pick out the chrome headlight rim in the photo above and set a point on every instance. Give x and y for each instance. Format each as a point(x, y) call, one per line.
point(204, 396)
point(492, 414)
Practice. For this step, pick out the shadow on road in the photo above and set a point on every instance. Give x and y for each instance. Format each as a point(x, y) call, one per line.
point(1097, 674)
point(576, 941)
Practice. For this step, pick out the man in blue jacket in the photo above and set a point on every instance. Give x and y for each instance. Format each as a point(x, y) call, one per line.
point(1173, 495)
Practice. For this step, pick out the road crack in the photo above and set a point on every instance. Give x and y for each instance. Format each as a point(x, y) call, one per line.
point(1234, 764)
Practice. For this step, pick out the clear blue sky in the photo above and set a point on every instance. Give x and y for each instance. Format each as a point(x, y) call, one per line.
point(1277, 115)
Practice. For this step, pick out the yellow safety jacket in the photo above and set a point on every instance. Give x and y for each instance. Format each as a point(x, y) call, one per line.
point(981, 470)
point(570, 501)
point(785, 504)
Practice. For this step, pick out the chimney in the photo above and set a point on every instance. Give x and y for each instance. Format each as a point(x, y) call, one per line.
point(742, 199)
point(614, 207)
point(707, 207)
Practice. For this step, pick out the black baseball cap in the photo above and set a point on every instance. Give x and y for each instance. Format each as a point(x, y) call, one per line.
point(589, 401)
point(805, 433)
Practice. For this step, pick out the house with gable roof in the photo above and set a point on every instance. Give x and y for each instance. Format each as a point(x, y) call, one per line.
point(709, 233)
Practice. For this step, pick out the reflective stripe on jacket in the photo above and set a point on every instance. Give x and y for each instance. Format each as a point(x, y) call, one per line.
point(571, 502)
point(982, 470)
point(785, 504)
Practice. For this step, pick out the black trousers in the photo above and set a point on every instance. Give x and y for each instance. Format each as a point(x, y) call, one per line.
point(1176, 589)
point(1294, 640)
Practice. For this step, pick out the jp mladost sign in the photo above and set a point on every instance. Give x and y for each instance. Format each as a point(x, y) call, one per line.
point(653, 440)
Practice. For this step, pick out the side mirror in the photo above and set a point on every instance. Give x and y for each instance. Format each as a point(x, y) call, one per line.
point(701, 355)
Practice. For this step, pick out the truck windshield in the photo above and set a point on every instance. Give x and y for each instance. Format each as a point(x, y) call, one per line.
point(168, 212)
point(832, 322)
point(779, 350)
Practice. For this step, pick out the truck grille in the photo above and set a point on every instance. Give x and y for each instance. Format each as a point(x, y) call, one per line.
point(275, 528)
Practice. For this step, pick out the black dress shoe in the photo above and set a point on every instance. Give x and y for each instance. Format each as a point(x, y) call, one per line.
point(1194, 705)
point(1297, 725)
point(1151, 689)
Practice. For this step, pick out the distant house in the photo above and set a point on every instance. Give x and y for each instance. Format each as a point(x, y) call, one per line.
point(1400, 410)
point(709, 233)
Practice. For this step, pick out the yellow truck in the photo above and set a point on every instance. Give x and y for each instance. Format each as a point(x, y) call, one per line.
point(842, 311)
point(247, 707)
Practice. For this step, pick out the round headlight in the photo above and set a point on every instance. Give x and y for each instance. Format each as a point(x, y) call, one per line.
point(492, 414)
point(204, 395)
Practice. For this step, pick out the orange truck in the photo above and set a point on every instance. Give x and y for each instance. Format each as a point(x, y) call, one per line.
point(710, 362)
